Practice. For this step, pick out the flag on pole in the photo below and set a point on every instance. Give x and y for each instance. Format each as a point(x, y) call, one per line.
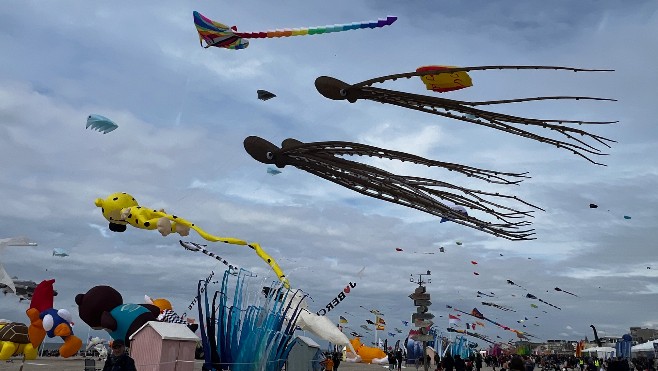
point(380, 323)
point(476, 313)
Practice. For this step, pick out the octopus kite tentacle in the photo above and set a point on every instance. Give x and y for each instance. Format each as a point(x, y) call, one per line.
point(464, 111)
point(321, 159)
point(408, 75)
point(338, 148)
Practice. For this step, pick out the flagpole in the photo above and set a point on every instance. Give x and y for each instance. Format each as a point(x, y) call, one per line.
point(88, 340)
point(377, 330)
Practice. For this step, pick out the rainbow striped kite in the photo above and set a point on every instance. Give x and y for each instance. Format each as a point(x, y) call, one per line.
point(222, 36)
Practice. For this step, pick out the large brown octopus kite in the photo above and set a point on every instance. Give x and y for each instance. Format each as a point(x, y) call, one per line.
point(428, 195)
point(333, 88)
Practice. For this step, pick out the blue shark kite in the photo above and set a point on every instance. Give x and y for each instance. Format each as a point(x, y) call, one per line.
point(100, 123)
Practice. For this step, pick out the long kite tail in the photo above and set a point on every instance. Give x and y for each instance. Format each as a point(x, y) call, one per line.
point(317, 30)
point(253, 245)
point(233, 241)
point(218, 34)
point(191, 246)
point(271, 262)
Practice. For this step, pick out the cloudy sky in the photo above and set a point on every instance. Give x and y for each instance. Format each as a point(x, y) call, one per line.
point(184, 111)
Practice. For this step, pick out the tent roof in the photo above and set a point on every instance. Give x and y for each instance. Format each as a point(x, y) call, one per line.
point(648, 346)
point(169, 331)
point(308, 341)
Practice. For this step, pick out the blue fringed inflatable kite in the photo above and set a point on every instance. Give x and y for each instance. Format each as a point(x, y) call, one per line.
point(100, 123)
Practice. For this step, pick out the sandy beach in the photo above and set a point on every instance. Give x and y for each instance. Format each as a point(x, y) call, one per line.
point(78, 364)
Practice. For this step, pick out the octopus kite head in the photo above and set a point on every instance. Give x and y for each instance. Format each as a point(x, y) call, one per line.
point(112, 206)
point(262, 150)
point(334, 89)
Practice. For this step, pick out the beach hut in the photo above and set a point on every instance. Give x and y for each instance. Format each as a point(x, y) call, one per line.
point(162, 346)
point(305, 355)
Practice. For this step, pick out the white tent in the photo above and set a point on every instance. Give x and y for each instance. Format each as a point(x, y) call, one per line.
point(601, 352)
point(644, 347)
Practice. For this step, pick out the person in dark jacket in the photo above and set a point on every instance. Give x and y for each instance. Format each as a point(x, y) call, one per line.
point(337, 357)
point(448, 363)
point(398, 358)
point(460, 364)
point(119, 360)
point(516, 364)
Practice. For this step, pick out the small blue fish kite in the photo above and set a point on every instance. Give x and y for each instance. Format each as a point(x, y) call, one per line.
point(273, 171)
point(626, 217)
point(60, 252)
point(100, 123)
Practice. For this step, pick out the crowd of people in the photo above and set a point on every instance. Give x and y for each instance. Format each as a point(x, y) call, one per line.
point(395, 357)
point(510, 362)
point(544, 363)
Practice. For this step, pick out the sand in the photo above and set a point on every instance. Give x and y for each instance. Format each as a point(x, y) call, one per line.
point(78, 364)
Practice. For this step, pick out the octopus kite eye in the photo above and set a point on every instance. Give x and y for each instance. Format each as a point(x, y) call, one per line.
point(269, 155)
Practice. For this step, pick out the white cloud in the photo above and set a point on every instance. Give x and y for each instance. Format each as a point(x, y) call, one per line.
point(183, 112)
point(102, 230)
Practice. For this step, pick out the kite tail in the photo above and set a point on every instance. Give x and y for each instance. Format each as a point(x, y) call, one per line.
point(317, 30)
point(234, 241)
point(178, 220)
point(271, 262)
point(209, 237)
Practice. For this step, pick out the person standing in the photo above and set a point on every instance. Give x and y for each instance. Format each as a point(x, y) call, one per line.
point(328, 362)
point(460, 364)
point(398, 358)
point(337, 357)
point(119, 360)
point(392, 362)
point(448, 362)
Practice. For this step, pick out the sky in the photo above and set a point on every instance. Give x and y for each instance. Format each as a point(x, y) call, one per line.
point(183, 112)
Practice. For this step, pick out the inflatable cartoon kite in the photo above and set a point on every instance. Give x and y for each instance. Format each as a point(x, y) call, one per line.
point(102, 307)
point(45, 320)
point(121, 209)
point(167, 313)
